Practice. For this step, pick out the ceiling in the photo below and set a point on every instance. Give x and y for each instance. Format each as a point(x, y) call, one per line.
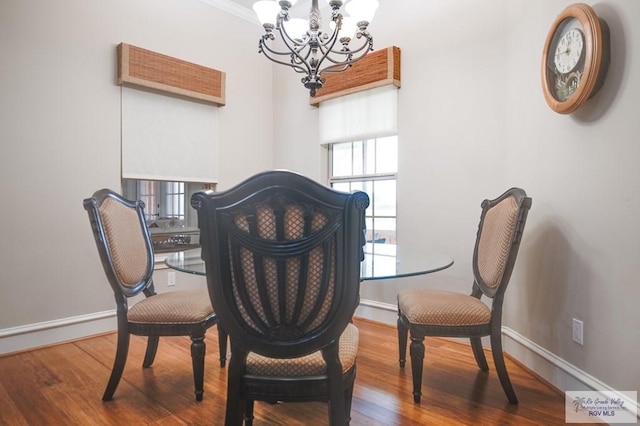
point(244, 8)
point(244, 3)
point(306, 4)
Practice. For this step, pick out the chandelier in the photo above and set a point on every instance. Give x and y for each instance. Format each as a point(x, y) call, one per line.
point(307, 46)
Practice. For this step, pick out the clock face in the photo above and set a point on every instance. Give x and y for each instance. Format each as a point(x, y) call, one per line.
point(569, 51)
point(565, 66)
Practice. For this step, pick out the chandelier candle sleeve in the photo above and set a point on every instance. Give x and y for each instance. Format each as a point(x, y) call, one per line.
point(311, 48)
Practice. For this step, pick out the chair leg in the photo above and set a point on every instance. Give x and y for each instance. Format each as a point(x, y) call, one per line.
point(198, 348)
point(222, 345)
point(403, 332)
point(498, 360)
point(478, 353)
point(150, 354)
point(348, 399)
point(248, 412)
point(118, 365)
point(235, 403)
point(337, 413)
point(417, 357)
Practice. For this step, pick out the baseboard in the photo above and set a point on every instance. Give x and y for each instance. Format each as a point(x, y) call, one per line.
point(377, 311)
point(32, 336)
point(548, 366)
point(553, 369)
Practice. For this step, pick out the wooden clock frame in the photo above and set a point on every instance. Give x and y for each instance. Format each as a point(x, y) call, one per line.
point(596, 51)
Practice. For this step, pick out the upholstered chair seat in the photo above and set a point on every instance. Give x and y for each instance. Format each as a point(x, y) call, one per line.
point(444, 308)
point(308, 365)
point(181, 307)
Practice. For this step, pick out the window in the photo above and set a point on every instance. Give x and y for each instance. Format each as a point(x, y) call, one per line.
point(166, 204)
point(369, 165)
point(172, 222)
point(162, 200)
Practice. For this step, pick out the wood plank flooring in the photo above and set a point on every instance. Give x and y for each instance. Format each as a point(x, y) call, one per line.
point(63, 384)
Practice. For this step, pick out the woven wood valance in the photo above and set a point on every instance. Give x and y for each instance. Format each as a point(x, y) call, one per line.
point(378, 68)
point(141, 67)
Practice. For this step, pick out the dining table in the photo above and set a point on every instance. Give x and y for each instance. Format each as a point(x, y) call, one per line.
point(381, 261)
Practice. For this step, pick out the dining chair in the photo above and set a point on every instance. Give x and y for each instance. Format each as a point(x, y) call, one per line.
point(428, 312)
point(282, 256)
point(126, 252)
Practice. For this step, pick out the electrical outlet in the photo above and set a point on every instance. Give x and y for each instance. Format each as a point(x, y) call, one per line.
point(577, 331)
point(171, 278)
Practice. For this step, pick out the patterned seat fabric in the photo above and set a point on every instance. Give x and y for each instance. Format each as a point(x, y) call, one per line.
point(434, 307)
point(310, 365)
point(180, 307)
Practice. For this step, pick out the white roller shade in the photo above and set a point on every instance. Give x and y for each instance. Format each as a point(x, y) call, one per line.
point(168, 138)
point(360, 115)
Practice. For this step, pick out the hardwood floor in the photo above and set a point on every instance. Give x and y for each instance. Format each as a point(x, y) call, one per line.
point(63, 384)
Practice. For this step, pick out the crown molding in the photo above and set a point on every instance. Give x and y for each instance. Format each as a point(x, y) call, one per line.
point(234, 9)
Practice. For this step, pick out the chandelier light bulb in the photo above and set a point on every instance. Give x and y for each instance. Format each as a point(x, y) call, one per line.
point(296, 28)
point(349, 27)
point(267, 11)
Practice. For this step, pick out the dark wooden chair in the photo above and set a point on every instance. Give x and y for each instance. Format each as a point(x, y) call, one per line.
point(425, 312)
point(282, 256)
point(126, 252)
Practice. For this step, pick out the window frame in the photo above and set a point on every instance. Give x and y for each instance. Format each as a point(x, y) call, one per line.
point(364, 178)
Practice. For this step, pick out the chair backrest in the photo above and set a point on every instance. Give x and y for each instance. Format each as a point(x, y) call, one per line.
point(498, 240)
point(282, 256)
point(123, 241)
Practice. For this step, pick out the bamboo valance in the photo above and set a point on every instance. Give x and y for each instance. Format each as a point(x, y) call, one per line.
point(378, 68)
point(141, 67)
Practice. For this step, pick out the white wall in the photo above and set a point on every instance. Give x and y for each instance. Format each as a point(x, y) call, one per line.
point(472, 123)
point(60, 132)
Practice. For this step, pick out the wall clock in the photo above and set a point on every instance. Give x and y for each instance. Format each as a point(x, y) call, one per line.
point(575, 58)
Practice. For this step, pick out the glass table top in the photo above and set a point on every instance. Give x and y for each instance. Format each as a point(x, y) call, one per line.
point(381, 261)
